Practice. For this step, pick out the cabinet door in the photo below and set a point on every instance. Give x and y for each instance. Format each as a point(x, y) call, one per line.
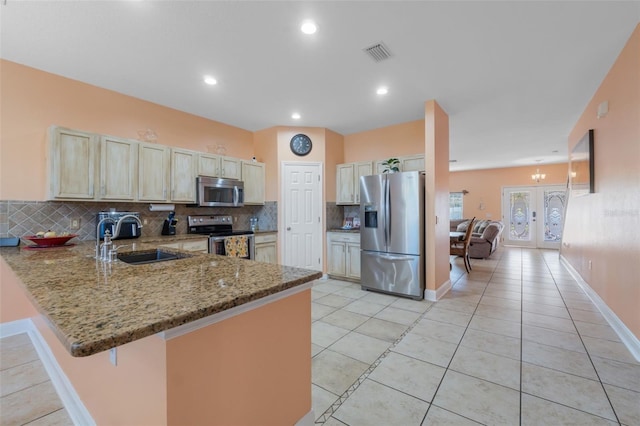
point(153, 172)
point(183, 176)
point(266, 252)
point(231, 167)
point(201, 246)
point(353, 261)
point(379, 167)
point(412, 163)
point(72, 164)
point(253, 177)
point(118, 169)
point(344, 184)
point(337, 258)
point(361, 169)
point(209, 165)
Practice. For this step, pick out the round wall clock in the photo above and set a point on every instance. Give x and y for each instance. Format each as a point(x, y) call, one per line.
point(301, 144)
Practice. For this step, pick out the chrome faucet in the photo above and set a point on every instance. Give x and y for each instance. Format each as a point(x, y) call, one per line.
point(105, 251)
point(99, 255)
point(116, 232)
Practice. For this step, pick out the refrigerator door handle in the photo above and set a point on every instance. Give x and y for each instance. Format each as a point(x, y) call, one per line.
point(396, 258)
point(387, 212)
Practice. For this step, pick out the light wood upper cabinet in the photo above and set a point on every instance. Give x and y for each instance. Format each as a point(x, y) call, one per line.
point(348, 181)
point(89, 166)
point(219, 166)
point(411, 163)
point(254, 185)
point(361, 169)
point(183, 175)
point(408, 163)
point(118, 169)
point(344, 184)
point(231, 167)
point(72, 164)
point(153, 172)
point(209, 165)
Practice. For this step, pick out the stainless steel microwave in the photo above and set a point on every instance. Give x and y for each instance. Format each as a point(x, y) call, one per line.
point(218, 192)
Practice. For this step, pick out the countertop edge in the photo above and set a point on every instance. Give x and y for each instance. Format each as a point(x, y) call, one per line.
point(232, 312)
point(79, 349)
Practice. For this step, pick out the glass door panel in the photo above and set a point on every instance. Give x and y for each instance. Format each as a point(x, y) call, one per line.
point(519, 216)
point(533, 215)
point(553, 200)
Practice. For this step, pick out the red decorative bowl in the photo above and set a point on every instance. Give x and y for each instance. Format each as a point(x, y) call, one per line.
point(49, 242)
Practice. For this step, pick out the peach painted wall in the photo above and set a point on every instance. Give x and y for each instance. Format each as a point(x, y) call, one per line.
point(379, 144)
point(334, 155)
point(32, 100)
point(604, 227)
point(272, 343)
point(14, 304)
point(485, 186)
point(265, 145)
point(436, 149)
point(133, 392)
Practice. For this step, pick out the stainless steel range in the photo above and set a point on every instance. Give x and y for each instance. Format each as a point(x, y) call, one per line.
point(219, 227)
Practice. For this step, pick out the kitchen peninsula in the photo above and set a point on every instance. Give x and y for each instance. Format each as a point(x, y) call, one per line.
point(205, 339)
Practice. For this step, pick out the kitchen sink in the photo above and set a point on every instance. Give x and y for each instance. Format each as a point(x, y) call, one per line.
point(149, 256)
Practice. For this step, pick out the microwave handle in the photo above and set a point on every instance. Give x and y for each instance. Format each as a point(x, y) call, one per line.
point(236, 195)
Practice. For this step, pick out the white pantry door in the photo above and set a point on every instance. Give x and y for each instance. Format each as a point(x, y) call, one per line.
point(301, 221)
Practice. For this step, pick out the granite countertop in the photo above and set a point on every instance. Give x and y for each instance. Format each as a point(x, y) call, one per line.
point(93, 306)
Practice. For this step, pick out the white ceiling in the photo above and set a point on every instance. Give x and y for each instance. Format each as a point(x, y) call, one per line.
point(513, 76)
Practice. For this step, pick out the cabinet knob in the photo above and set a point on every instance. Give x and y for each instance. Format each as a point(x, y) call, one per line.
point(288, 228)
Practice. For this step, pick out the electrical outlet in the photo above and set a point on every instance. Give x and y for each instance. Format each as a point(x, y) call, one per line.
point(145, 221)
point(589, 265)
point(74, 223)
point(235, 219)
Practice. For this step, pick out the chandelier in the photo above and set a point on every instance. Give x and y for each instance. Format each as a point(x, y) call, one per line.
point(537, 176)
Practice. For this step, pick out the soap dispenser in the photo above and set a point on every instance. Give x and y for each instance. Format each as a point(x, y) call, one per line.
point(169, 227)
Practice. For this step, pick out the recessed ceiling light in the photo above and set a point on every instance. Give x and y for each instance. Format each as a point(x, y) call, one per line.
point(308, 27)
point(382, 91)
point(295, 116)
point(210, 80)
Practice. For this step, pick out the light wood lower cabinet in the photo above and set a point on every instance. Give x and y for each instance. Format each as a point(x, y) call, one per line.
point(343, 251)
point(200, 246)
point(266, 248)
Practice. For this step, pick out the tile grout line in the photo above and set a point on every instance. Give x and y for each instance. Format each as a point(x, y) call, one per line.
point(342, 398)
point(583, 344)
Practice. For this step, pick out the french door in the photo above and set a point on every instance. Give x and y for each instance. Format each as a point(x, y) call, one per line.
point(533, 215)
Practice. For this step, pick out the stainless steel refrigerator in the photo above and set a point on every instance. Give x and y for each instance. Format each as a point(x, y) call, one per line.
point(392, 233)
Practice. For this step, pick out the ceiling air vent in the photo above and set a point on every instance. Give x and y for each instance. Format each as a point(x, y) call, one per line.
point(378, 52)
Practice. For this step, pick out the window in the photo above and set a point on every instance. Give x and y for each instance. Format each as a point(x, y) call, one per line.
point(455, 205)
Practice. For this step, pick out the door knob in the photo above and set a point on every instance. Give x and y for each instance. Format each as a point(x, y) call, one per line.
point(288, 228)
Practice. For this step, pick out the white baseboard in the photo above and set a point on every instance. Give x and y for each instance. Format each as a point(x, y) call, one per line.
point(628, 338)
point(434, 296)
point(70, 399)
point(307, 420)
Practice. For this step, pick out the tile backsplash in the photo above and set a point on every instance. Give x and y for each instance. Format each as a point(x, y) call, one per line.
point(20, 218)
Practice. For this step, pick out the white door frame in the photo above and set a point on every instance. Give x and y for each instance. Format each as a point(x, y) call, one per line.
point(281, 211)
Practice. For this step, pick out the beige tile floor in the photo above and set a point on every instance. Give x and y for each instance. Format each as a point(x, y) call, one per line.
point(27, 396)
point(516, 342)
